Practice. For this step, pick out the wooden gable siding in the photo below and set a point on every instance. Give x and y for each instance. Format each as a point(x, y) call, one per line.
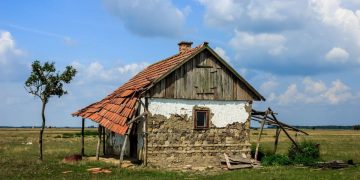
point(202, 77)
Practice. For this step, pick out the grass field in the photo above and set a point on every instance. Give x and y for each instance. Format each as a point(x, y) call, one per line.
point(19, 158)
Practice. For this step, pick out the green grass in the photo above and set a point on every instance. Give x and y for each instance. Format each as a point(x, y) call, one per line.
point(19, 161)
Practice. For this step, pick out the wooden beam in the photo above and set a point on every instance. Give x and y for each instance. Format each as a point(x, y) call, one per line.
point(98, 143)
point(238, 166)
point(280, 125)
point(145, 132)
point(124, 145)
point(136, 118)
point(103, 134)
point(284, 125)
point(82, 137)
point(277, 134)
point(259, 137)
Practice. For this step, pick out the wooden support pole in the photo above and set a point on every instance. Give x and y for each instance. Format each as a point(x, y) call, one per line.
point(103, 137)
point(98, 143)
point(277, 134)
point(259, 137)
point(124, 145)
point(145, 132)
point(280, 125)
point(82, 137)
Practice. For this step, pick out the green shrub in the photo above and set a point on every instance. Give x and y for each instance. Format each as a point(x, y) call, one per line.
point(356, 127)
point(57, 136)
point(275, 160)
point(307, 154)
point(67, 135)
point(87, 133)
point(256, 133)
point(261, 152)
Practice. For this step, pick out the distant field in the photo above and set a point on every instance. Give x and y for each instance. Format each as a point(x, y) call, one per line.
point(334, 144)
point(18, 157)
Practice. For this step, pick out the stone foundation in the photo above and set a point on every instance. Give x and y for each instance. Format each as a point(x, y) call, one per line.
point(173, 142)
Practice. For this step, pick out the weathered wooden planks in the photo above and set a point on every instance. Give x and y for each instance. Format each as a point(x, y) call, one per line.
point(203, 77)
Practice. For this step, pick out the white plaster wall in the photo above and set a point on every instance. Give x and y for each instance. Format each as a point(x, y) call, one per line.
point(224, 112)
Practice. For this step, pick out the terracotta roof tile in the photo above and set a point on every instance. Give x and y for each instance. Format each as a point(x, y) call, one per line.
point(118, 107)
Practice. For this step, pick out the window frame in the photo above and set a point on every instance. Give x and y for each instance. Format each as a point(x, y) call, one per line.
point(207, 112)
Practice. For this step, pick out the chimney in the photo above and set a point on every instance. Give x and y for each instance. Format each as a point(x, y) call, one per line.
point(184, 46)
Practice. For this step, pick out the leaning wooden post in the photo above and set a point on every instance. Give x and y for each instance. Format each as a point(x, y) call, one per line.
point(283, 129)
point(82, 137)
point(259, 137)
point(124, 145)
point(99, 141)
point(103, 140)
point(277, 134)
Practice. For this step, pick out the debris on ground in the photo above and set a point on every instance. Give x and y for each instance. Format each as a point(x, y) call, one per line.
point(65, 172)
point(72, 158)
point(113, 161)
point(98, 170)
point(27, 143)
point(337, 164)
point(239, 163)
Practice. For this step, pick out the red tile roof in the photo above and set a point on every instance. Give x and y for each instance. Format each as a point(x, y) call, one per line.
point(117, 108)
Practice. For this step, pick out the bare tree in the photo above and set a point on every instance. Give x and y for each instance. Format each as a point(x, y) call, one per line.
point(45, 82)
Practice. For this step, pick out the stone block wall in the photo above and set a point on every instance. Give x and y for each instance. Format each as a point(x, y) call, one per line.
point(173, 142)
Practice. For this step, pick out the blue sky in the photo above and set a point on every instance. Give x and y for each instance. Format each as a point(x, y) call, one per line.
point(302, 55)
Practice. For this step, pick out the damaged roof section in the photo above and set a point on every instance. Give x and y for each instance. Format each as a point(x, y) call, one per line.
point(117, 108)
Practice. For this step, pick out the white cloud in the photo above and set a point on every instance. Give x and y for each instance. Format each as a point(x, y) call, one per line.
point(69, 41)
point(7, 47)
point(222, 53)
point(338, 92)
point(269, 85)
point(273, 44)
point(96, 72)
point(332, 13)
point(221, 12)
point(291, 95)
point(258, 10)
point(313, 87)
point(132, 68)
point(233, 13)
point(289, 33)
point(314, 92)
point(149, 18)
point(337, 54)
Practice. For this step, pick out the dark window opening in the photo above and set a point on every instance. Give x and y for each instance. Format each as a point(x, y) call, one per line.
point(201, 119)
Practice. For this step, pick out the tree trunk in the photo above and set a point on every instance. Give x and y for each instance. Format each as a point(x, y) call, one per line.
point(42, 130)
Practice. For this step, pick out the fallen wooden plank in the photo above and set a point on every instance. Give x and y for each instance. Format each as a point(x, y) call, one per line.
point(332, 164)
point(239, 161)
point(233, 167)
point(240, 166)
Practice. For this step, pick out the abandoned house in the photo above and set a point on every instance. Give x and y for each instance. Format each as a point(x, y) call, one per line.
point(188, 109)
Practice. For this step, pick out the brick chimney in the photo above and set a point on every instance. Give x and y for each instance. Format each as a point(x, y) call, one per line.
point(184, 46)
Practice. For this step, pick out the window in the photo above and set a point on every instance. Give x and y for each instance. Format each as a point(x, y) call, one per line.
point(201, 119)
